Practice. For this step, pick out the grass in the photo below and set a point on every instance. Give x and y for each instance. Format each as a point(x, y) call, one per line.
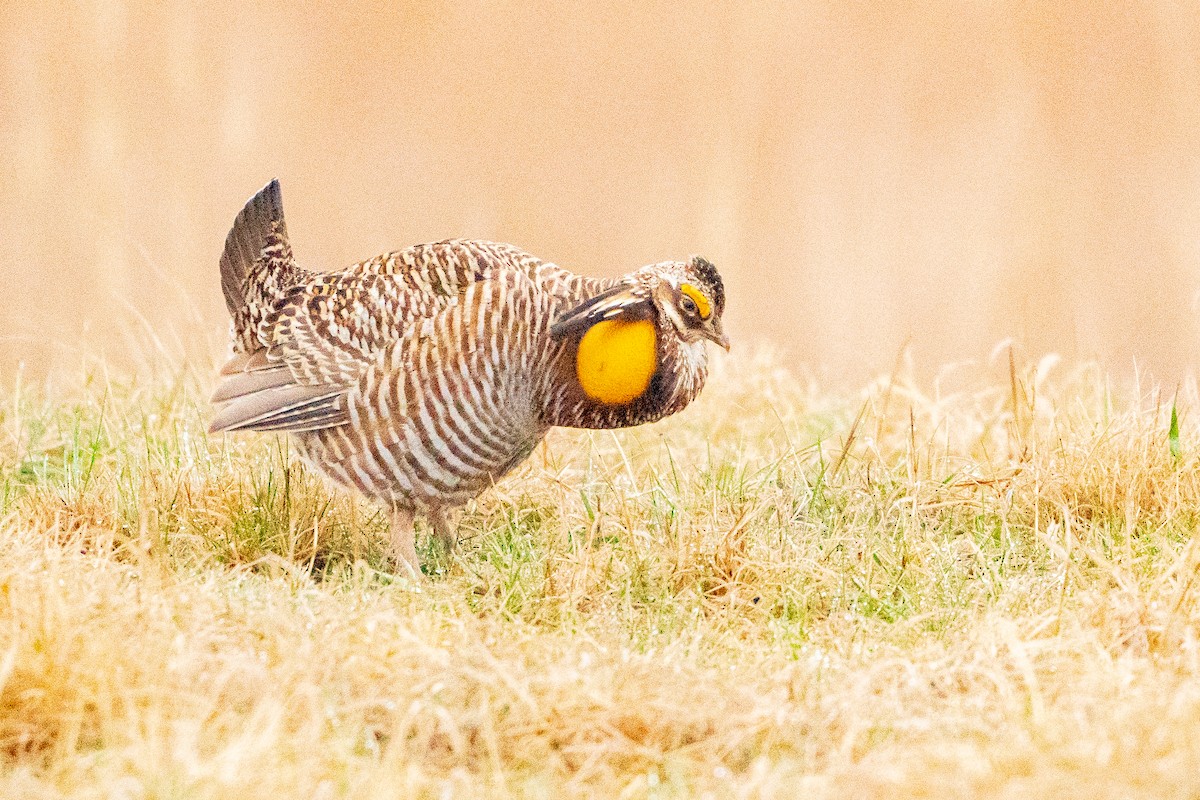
point(780, 592)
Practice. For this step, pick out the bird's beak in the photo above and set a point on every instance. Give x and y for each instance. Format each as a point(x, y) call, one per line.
point(717, 335)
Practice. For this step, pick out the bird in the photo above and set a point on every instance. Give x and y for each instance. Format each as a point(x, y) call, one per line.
point(423, 376)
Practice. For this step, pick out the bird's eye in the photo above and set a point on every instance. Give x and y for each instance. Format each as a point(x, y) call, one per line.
point(689, 305)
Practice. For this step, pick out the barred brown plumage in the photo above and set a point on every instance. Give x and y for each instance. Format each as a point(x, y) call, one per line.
point(421, 377)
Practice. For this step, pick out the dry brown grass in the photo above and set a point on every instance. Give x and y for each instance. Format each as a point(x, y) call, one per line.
point(779, 593)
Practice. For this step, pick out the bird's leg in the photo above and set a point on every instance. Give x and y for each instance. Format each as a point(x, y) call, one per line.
point(402, 550)
point(442, 530)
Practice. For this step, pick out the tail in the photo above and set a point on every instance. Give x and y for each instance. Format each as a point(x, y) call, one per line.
point(261, 219)
point(257, 265)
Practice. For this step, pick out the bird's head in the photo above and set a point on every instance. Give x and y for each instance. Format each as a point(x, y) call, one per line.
point(692, 296)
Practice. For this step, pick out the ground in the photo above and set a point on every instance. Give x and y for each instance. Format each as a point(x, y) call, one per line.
point(782, 591)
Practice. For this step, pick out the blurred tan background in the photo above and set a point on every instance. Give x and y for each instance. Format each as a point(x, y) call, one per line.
point(944, 174)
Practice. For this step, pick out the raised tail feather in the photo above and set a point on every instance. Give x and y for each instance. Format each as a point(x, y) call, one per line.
point(257, 391)
point(261, 217)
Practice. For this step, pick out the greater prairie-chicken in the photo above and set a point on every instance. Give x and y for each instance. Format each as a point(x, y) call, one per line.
point(421, 377)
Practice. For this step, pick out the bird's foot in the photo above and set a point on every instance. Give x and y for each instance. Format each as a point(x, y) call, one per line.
point(402, 551)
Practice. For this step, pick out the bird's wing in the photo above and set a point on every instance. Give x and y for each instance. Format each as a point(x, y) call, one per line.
point(260, 391)
point(324, 334)
point(313, 347)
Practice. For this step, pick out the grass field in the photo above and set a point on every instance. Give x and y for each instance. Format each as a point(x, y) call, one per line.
point(781, 592)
